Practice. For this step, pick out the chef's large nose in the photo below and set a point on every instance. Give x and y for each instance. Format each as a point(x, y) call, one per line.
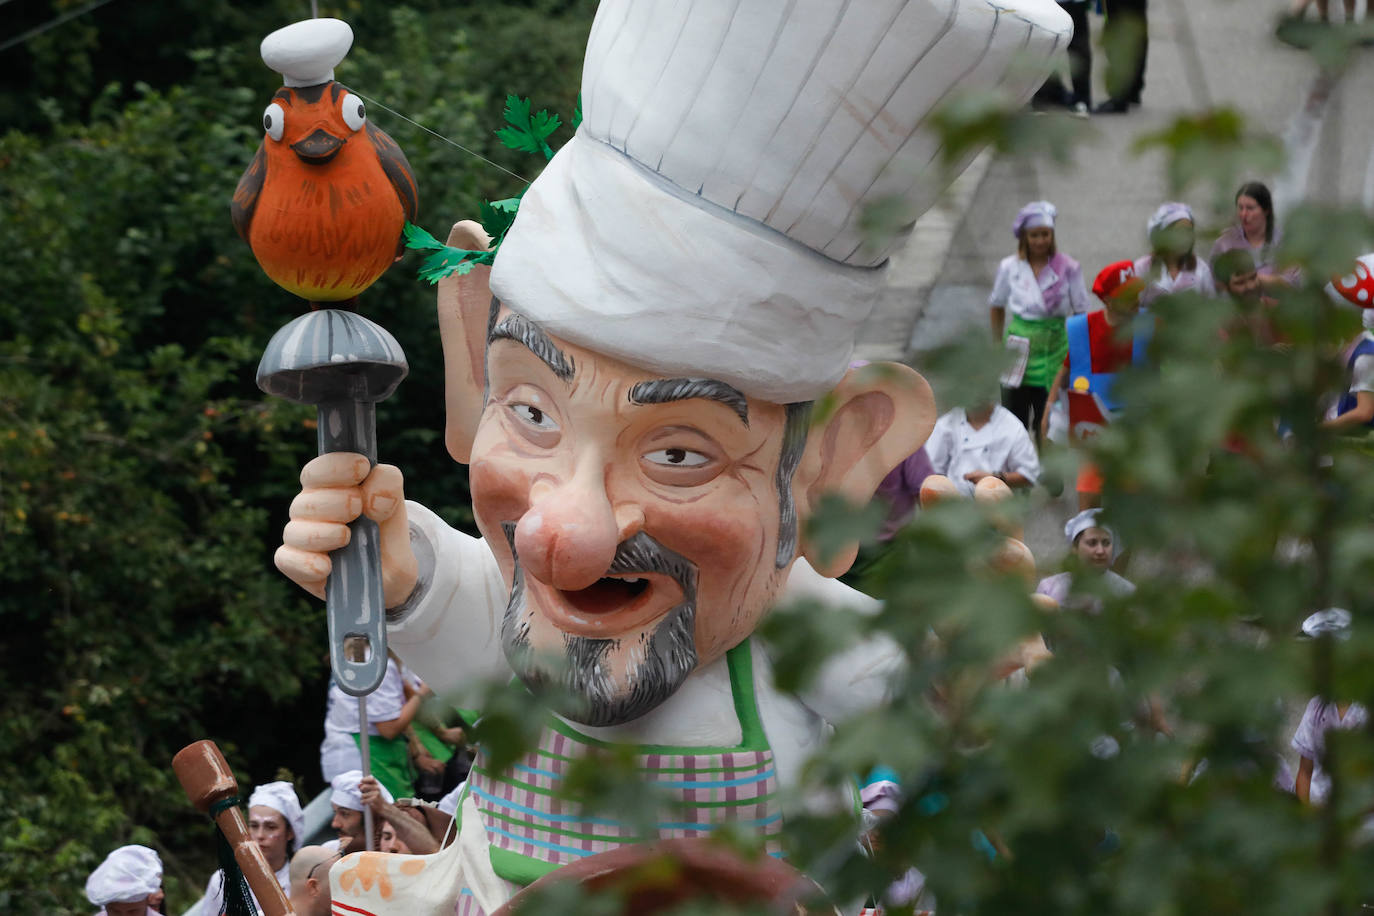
point(568, 537)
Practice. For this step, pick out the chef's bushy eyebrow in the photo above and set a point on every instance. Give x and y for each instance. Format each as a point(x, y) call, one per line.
point(525, 332)
point(666, 390)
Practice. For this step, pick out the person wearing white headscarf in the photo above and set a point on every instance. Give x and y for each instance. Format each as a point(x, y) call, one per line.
point(1313, 784)
point(1094, 547)
point(1355, 408)
point(127, 883)
point(391, 709)
point(277, 825)
point(1040, 286)
point(1171, 266)
point(346, 798)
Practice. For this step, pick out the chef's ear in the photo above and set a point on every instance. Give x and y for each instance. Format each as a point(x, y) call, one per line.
point(877, 416)
point(464, 310)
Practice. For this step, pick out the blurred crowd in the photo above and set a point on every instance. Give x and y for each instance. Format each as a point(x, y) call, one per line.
point(419, 759)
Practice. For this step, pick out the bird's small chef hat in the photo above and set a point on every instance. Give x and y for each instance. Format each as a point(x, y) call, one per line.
point(130, 874)
point(305, 53)
point(706, 218)
point(281, 797)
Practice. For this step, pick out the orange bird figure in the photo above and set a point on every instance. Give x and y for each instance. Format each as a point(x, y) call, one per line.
point(324, 202)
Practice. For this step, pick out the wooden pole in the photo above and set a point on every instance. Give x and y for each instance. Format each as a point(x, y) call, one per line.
point(207, 779)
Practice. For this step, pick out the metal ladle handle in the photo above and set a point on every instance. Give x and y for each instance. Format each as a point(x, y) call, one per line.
point(353, 598)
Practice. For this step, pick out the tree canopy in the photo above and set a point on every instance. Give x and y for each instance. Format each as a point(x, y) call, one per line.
point(145, 478)
point(144, 482)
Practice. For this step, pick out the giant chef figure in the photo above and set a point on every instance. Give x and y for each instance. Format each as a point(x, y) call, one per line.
point(631, 386)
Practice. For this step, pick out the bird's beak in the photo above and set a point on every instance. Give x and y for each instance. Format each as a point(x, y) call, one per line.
point(318, 148)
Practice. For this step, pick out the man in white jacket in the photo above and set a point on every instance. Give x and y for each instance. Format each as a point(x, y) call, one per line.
point(631, 385)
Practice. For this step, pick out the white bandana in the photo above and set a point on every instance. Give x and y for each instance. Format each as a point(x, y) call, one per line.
point(346, 794)
point(130, 874)
point(281, 797)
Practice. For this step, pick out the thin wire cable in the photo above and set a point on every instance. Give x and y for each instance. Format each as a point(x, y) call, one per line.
point(434, 134)
point(51, 24)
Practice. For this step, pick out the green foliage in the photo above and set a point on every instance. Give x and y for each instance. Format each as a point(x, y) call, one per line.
point(527, 133)
point(145, 482)
point(1212, 148)
point(145, 478)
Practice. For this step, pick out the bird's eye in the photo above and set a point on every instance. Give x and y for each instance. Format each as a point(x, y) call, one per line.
point(274, 120)
point(354, 114)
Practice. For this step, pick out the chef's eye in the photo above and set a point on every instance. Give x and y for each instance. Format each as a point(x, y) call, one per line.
point(354, 114)
point(533, 416)
point(677, 458)
point(274, 120)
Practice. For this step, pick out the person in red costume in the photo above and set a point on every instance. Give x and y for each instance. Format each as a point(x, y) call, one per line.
point(1098, 349)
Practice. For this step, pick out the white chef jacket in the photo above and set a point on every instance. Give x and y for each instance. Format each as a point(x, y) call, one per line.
point(1002, 446)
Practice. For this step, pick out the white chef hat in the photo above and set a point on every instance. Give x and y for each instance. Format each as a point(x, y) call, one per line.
point(1038, 214)
point(305, 53)
point(1086, 519)
point(1333, 620)
point(130, 874)
point(706, 217)
point(1167, 214)
point(281, 797)
point(345, 792)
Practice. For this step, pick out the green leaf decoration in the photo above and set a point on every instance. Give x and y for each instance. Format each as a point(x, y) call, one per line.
point(577, 113)
point(443, 260)
point(420, 240)
point(528, 133)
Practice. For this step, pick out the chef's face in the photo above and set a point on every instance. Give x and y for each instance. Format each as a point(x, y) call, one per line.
point(269, 830)
point(347, 823)
point(1094, 547)
point(636, 518)
point(1039, 241)
point(127, 909)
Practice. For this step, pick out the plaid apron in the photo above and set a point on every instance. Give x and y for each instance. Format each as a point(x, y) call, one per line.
point(532, 832)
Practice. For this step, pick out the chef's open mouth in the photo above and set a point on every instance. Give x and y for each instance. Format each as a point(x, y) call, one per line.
point(613, 593)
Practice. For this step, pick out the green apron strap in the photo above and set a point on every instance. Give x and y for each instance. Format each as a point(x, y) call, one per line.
point(740, 663)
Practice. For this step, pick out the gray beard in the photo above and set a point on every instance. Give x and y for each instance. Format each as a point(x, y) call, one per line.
point(585, 692)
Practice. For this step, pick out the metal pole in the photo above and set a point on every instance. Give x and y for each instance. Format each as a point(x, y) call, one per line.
point(363, 741)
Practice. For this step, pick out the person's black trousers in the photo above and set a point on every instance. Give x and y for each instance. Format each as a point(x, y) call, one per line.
point(1126, 39)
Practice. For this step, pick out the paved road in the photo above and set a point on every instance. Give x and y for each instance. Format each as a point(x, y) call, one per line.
point(1203, 53)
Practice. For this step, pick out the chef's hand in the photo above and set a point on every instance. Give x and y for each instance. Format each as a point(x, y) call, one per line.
point(336, 488)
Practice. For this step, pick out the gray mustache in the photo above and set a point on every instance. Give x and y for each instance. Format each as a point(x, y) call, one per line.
point(642, 554)
point(638, 553)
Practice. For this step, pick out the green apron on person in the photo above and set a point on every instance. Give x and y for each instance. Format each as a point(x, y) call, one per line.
point(1048, 345)
point(390, 759)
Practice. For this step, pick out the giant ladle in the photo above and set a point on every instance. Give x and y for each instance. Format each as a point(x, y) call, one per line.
point(343, 364)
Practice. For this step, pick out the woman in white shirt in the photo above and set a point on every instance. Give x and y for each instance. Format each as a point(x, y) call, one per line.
point(1041, 287)
point(390, 710)
point(1171, 266)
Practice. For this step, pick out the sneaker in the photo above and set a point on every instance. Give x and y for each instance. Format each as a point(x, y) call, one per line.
point(1112, 106)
